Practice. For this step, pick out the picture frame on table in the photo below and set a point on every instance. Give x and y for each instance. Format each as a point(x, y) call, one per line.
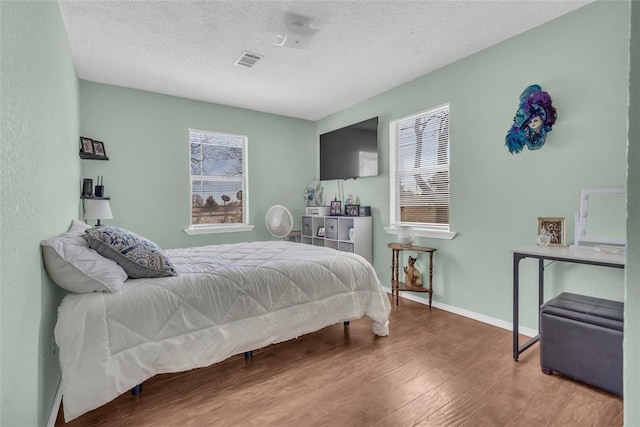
point(555, 228)
point(352, 210)
point(320, 232)
point(336, 208)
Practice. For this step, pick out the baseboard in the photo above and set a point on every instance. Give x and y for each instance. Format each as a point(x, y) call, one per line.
point(470, 314)
point(55, 407)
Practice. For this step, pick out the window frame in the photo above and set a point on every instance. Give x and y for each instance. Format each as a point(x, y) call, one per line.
point(420, 229)
point(196, 229)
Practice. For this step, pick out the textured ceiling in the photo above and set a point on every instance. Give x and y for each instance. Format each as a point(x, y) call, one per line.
point(363, 48)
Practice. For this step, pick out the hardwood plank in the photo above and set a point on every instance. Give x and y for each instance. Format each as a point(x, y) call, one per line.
point(435, 368)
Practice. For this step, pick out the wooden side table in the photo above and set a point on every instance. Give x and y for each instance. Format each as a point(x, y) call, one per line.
point(396, 284)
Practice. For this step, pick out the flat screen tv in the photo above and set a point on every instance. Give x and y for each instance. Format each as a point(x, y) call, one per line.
point(350, 152)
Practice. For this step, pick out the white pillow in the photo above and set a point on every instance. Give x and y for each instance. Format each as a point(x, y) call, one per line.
point(75, 267)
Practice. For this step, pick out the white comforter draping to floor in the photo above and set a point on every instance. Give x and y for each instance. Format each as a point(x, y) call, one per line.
point(226, 299)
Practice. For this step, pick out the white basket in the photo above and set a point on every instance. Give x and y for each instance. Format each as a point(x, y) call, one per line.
point(318, 210)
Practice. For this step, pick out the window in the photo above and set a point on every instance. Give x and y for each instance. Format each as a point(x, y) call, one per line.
point(218, 180)
point(419, 162)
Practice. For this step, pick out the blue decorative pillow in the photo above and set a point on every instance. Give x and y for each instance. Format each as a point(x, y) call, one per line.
point(136, 255)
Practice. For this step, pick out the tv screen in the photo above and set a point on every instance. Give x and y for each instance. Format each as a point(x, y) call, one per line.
point(350, 152)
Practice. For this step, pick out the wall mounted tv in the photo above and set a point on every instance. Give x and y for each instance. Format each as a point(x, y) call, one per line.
point(350, 152)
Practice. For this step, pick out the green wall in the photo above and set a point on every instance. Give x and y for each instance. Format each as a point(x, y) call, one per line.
point(632, 296)
point(39, 176)
point(147, 175)
point(581, 59)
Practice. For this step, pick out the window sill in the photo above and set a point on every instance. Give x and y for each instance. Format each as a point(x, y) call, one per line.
point(192, 231)
point(426, 232)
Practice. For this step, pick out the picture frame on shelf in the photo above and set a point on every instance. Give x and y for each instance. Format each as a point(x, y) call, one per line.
point(91, 149)
point(98, 149)
point(555, 228)
point(86, 145)
point(352, 210)
point(336, 208)
point(320, 232)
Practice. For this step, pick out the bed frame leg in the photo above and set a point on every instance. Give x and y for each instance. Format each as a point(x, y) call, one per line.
point(248, 354)
point(136, 390)
point(346, 323)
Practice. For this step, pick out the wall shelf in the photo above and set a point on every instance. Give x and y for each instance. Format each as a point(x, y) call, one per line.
point(91, 156)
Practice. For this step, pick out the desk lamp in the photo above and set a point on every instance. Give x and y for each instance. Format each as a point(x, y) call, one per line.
point(97, 209)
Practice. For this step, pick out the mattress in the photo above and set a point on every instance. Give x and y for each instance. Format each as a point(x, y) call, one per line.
point(225, 300)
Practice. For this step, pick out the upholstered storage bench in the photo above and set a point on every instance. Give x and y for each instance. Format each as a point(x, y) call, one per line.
point(581, 338)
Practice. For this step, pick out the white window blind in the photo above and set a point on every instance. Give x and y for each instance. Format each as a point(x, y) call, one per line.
point(218, 178)
point(420, 169)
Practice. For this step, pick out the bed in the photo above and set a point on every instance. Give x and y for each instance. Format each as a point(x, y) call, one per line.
point(219, 301)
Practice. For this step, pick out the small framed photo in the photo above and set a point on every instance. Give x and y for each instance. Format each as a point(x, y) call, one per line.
point(336, 208)
point(555, 228)
point(352, 210)
point(320, 232)
point(86, 145)
point(98, 148)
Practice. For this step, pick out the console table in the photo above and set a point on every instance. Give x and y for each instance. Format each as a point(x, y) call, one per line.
point(572, 255)
point(396, 284)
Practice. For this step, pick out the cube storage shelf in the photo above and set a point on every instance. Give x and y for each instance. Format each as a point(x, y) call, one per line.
point(337, 234)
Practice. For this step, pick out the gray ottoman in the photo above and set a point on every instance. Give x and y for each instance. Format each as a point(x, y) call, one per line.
point(581, 337)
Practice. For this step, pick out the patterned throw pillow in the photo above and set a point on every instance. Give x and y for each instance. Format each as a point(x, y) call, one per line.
point(138, 256)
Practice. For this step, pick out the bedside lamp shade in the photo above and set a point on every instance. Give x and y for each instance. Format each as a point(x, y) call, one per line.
point(97, 209)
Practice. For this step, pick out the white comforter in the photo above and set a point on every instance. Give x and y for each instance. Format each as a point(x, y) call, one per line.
point(226, 299)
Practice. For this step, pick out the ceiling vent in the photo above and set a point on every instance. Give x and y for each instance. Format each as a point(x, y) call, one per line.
point(248, 59)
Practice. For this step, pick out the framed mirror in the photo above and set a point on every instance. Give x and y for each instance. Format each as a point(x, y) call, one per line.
point(602, 217)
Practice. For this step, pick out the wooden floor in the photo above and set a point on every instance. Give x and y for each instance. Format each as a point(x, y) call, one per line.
point(434, 369)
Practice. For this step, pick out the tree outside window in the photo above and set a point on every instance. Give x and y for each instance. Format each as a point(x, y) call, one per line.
point(218, 178)
point(420, 156)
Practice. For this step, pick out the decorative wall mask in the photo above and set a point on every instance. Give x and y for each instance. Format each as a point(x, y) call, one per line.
point(533, 120)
